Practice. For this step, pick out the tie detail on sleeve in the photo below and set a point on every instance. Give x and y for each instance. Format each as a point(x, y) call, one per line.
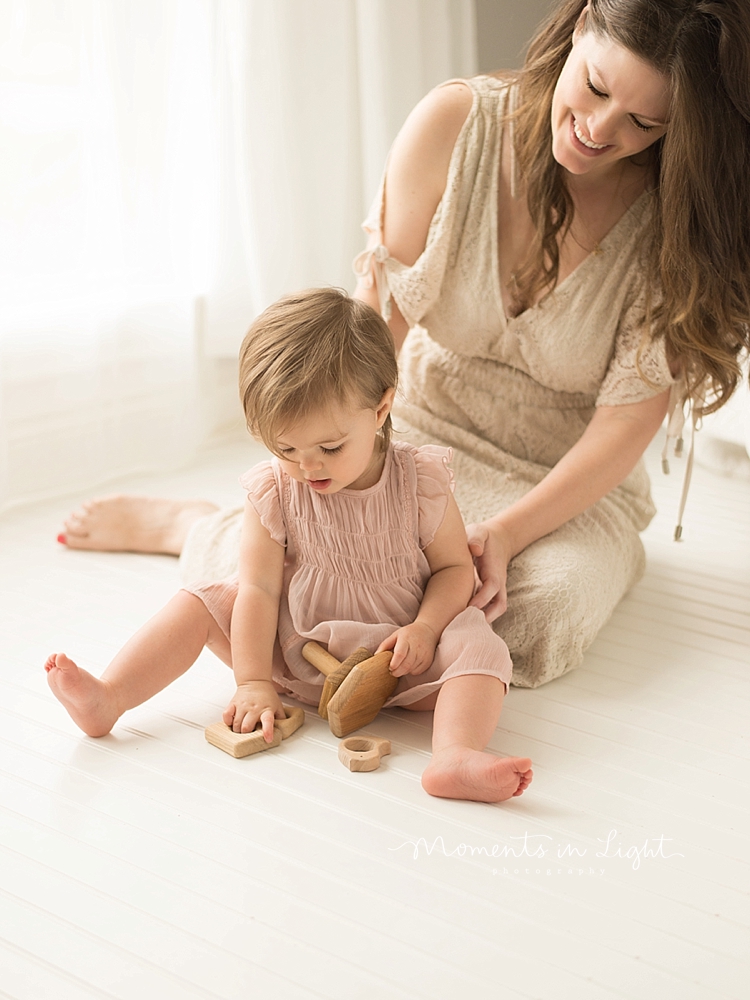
point(369, 266)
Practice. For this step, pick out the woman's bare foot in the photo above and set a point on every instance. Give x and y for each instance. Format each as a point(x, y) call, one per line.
point(458, 772)
point(121, 523)
point(89, 701)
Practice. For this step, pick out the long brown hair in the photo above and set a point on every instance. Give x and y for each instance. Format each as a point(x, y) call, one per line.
point(697, 260)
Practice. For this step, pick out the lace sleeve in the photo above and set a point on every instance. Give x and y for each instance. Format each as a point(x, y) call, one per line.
point(625, 378)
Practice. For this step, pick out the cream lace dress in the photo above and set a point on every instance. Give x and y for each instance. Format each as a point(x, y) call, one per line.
point(511, 396)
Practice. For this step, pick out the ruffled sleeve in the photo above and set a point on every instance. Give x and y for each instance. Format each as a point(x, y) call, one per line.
point(435, 483)
point(263, 493)
point(623, 382)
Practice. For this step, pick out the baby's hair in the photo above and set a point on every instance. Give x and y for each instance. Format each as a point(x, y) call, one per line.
point(310, 349)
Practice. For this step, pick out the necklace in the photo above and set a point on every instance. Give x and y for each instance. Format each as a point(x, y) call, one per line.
point(596, 250)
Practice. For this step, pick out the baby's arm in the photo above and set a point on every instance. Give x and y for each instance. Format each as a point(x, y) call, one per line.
point(254, 624)
point(447, 594)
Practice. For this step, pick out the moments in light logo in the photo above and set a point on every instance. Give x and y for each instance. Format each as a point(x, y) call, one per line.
point(534, 845)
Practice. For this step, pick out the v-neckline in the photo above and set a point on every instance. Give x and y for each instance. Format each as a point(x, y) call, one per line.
point(500, 301)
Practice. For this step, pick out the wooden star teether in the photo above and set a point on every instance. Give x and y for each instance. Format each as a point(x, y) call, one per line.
point(244, 744)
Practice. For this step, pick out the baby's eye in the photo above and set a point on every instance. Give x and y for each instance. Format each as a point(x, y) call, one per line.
point(331, 451)
point(285, 451)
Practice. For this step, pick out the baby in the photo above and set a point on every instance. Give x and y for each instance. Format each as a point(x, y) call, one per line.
point(348, 539)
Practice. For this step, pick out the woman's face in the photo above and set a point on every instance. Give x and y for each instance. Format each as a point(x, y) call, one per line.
point(608, 104)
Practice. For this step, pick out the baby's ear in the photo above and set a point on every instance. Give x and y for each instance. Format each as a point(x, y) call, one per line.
point(385, 406)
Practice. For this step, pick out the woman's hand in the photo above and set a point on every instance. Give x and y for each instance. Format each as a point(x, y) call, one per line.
point(413, 649)
point(491, 549)
point(254, 702)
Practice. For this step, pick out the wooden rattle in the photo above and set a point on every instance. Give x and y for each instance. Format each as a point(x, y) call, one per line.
point(359, 694)
point(243, 744)
point(335, 672)
point(363, 753)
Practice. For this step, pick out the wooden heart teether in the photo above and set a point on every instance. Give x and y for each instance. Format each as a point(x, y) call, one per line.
point(243, 744)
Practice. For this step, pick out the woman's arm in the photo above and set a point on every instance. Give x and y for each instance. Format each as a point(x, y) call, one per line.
point(254, 625)
point(446, 595)
point(606, 453)
point(415, 182)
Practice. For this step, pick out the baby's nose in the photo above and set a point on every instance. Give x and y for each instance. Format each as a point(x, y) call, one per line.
point(310, 462)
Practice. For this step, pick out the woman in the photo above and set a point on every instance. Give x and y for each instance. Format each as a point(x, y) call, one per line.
point(560, 256)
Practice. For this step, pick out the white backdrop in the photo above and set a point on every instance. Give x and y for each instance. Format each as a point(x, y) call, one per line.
point(168, 168)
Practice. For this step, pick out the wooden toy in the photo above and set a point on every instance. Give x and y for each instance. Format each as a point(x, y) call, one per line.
point(362, 691)
point(320, 658)
point(240, 744)
point(244, 744)
point(361, 694)
point(334, 671)
point(363, 753)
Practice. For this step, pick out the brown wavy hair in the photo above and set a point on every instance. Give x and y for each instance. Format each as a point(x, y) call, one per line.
point(697, 257)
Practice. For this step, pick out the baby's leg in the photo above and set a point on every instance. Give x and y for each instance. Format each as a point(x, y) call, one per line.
point(466, 714)
point(156, 655)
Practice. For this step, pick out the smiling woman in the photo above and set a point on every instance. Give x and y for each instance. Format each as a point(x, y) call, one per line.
point(608, 106)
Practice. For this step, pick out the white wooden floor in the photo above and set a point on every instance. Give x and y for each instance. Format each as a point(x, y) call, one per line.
point(149, 864)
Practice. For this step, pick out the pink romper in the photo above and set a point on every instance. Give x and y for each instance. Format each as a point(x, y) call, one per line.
point(355, 571)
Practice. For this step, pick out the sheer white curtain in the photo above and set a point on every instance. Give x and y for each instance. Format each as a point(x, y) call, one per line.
point(105, 113)
point(169, 167)
point(311, 94)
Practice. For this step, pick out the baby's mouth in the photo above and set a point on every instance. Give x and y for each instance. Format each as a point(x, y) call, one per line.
point(319, 484)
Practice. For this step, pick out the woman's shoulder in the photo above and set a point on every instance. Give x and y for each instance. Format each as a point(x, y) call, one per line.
point(421, 154)
point(428, 147)
point(442, 113)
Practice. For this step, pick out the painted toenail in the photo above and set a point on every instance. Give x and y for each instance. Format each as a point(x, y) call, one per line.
point(62, 539)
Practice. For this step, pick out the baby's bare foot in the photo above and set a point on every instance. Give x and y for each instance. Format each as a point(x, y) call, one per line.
point(88, 700)
point(462, 773)
point(120, 523)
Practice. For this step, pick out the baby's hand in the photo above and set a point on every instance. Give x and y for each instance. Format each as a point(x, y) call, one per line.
point(413, 649)
point(254, 702)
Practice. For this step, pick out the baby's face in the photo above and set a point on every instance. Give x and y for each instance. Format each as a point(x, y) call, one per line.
point(335, 448)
